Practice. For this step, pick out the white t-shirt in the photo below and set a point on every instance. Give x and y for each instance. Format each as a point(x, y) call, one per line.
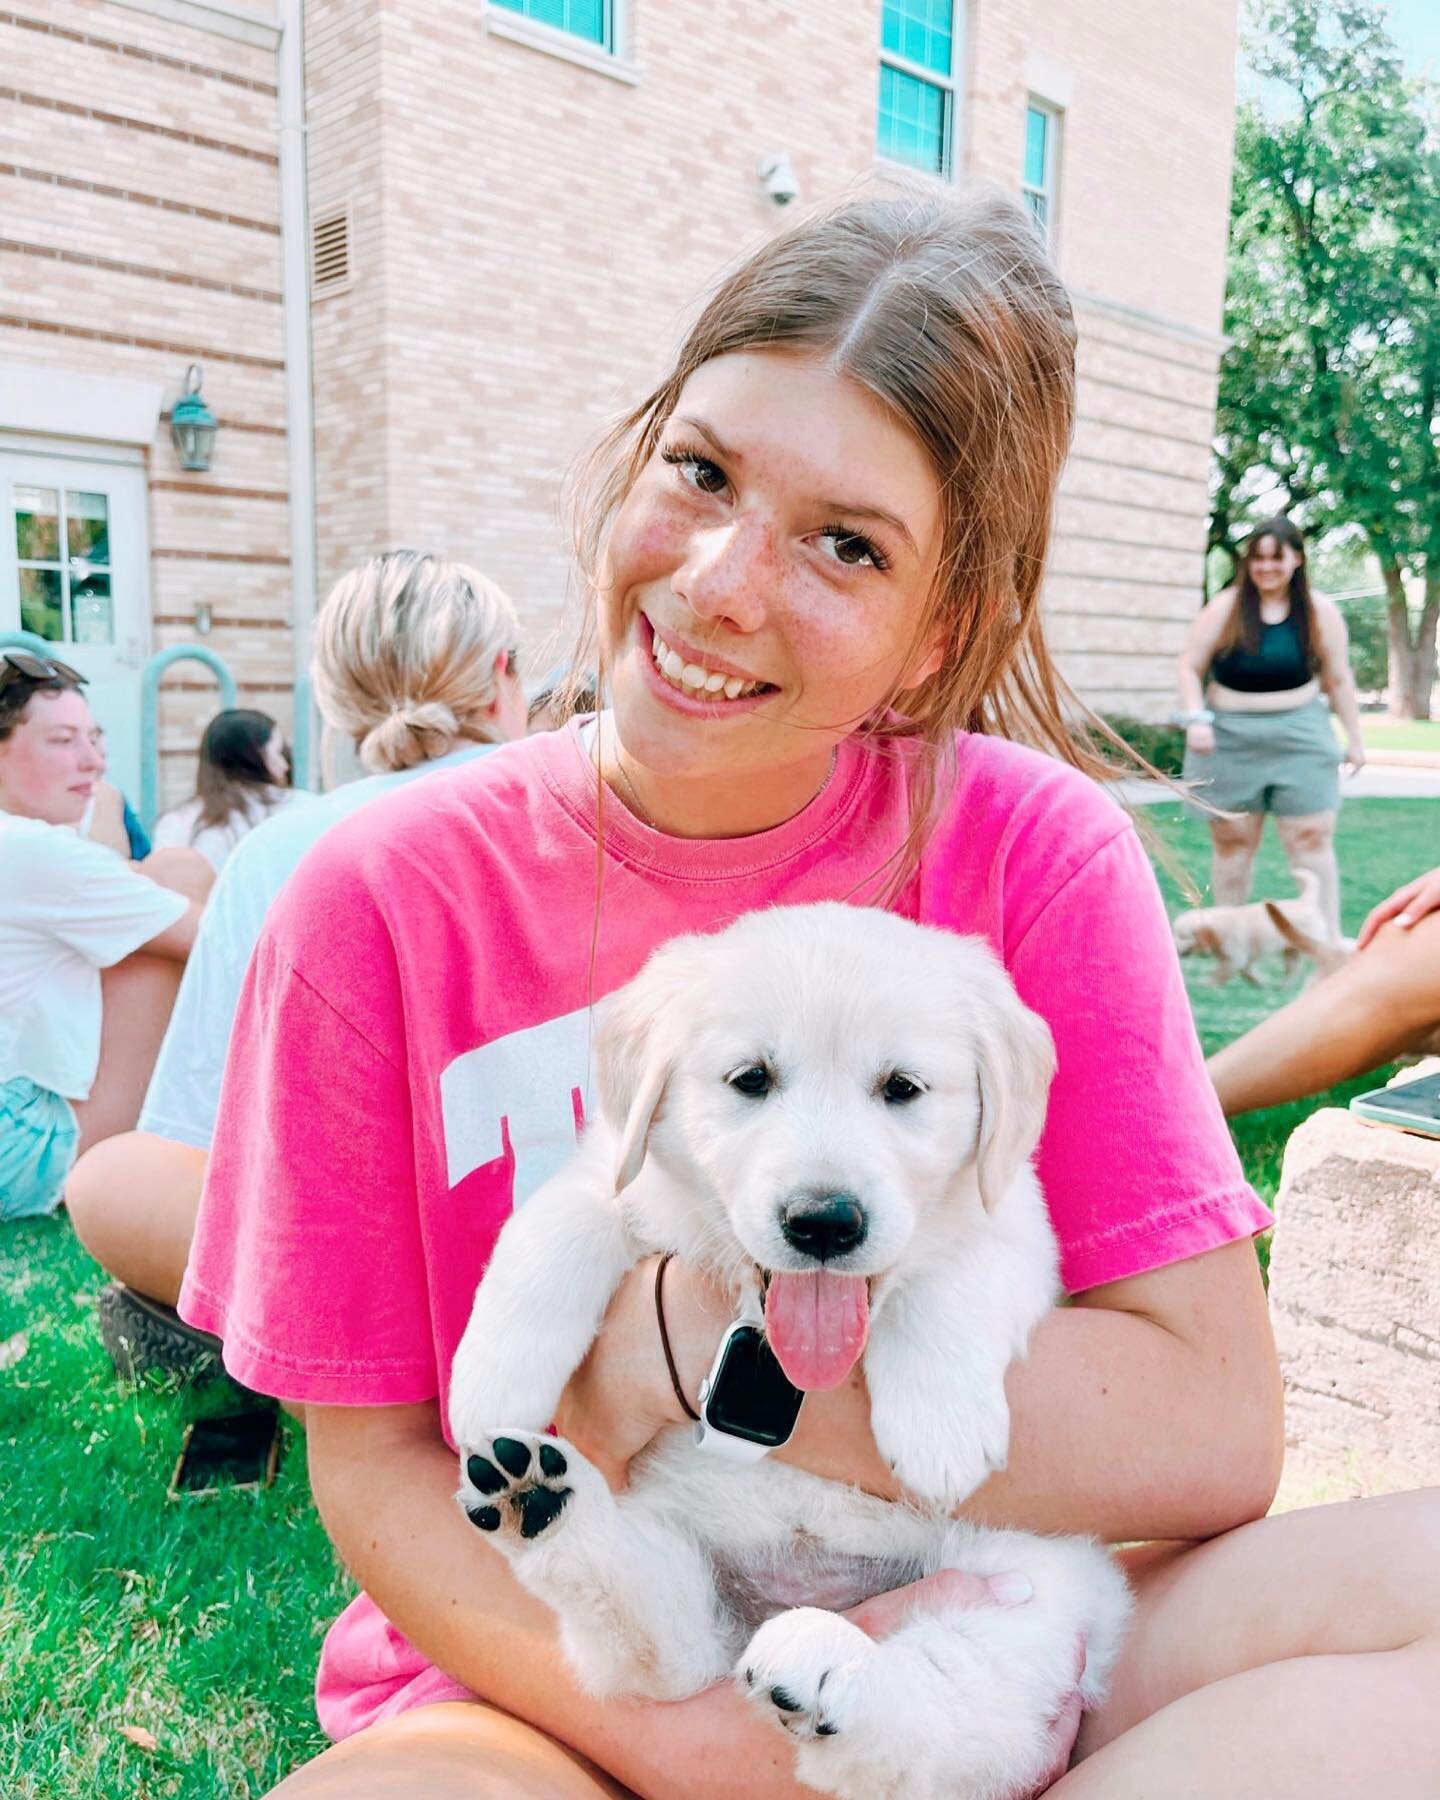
point(68, 909)
point(184, 1094)
point(176, 830)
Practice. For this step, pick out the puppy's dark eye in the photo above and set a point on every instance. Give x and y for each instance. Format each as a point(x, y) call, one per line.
point(753, 1081)
point(900, 1090)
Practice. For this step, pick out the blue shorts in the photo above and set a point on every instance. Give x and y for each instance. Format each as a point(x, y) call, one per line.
point(38, 1139)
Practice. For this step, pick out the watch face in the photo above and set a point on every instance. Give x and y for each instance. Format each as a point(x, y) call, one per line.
point(750, 1396)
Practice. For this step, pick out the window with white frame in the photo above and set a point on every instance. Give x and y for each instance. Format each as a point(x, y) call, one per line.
point(916, 118)
point(592, 21)
point(1040, 181)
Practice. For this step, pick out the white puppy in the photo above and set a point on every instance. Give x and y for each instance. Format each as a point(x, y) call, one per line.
point(1239, 937)
point(838, 1107)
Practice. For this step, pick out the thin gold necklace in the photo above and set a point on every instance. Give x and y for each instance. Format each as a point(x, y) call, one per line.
point(634, 802)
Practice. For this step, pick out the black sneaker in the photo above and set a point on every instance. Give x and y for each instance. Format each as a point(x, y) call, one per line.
point(141, 1335)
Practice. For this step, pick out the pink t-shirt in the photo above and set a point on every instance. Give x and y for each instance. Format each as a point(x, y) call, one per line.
point(410, 1055)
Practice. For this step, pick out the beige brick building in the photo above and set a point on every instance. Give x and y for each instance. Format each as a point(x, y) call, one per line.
point(465, 233)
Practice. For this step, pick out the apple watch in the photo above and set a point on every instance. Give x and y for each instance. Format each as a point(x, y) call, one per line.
point(747, 1405)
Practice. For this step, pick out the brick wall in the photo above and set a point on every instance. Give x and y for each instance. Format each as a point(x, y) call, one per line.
point(1147, 96)
point(139, 196)
point(530, 236)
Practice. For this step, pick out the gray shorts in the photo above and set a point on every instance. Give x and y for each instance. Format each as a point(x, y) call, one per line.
point(1286, 763)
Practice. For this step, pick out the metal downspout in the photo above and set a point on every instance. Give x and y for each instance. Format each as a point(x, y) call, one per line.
point(299, 377)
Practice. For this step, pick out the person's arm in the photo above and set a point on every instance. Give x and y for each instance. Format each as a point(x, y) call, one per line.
point(1383, 1003)
point(1116, 1412)
point(1336, 678)
point(1195, 659)
point(1406, 906)
point(107, 822)
point(175, 942)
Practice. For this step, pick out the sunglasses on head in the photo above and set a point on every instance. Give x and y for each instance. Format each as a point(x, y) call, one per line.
point(22, 665)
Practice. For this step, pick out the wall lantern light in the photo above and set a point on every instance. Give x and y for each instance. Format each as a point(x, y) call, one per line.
point(192, 424)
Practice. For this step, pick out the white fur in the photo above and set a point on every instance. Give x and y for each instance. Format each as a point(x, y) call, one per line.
point(703, 1566)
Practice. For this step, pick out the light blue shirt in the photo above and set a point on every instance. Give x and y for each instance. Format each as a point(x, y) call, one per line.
point(184, 1093)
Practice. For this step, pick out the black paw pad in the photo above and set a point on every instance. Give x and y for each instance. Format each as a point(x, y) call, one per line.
point(784, 1699)
point(552, 1462)
point(539, 1507)
point(486, 1517)
point(484, 1476)
point(511, 1455)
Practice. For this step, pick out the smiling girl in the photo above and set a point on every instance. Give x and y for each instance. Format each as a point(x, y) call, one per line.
point(816, 553)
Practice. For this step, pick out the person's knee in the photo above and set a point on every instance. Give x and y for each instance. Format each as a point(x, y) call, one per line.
point(1306, 834)
point(91, 1196)
point(1237, 839)
point(132, 1200)
point(186, 871)
point(1308, 840)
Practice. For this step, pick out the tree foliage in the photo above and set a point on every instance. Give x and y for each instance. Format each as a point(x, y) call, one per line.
point(1330, 389)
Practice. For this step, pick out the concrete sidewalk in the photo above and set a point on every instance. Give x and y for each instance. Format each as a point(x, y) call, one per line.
point(1376, 781)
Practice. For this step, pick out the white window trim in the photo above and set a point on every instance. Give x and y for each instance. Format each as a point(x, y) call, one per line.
point(515, 28)
point(951, 84)
point(1054, 135)
point(73, 403)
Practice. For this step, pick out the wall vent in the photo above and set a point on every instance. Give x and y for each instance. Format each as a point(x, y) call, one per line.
point(330, 266)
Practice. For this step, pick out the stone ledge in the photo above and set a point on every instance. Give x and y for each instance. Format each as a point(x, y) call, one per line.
point(1355, 1301)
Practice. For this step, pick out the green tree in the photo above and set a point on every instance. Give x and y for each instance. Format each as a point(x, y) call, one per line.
point(1330, 389)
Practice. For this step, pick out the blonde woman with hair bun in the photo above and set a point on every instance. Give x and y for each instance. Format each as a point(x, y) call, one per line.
point(414, 656)
point(414, 665)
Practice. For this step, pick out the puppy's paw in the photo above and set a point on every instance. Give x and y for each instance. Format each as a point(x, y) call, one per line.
point(801, 1669)
point(945, 1464)
point(518, 1486)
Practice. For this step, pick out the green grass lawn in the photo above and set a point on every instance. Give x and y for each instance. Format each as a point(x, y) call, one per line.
point(1401, 734)
point(199, 1620)
point(1380, 844)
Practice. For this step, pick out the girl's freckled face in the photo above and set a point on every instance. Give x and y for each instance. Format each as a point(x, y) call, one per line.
point(782, 541)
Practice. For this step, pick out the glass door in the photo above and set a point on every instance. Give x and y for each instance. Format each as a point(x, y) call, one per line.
point(73, 568)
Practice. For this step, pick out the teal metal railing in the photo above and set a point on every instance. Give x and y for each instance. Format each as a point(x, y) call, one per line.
point(26, 640)
point(150, 715)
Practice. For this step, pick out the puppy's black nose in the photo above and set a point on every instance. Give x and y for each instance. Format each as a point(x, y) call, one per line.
point(824, 1225)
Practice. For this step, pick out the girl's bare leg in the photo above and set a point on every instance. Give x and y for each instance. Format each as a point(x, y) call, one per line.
point(453, 1751)
point(1235, 841)
point(1309, 840)
point(1295, 1657)
point(132, 1200)
point(138, 996)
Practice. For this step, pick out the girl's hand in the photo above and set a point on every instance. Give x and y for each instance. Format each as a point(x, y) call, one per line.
point(1405, 906)
point(1354, 757)
point(1200, 740)
point(621, 1395)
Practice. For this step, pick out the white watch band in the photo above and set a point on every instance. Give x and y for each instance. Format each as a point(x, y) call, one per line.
point(710, 1437)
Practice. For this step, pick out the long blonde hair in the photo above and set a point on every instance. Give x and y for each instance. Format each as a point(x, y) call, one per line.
point(405, 657)
point(950, 312)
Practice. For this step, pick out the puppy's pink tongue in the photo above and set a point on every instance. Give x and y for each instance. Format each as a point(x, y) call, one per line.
point(817, 1325)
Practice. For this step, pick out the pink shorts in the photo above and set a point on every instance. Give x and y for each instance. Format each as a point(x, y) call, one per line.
point(369, 1671)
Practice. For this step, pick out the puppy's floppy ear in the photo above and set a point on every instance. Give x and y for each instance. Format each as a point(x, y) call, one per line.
point(637, 1042)
point(1016, 1058)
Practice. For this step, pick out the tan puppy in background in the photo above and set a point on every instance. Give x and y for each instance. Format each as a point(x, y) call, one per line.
point(1239, 937)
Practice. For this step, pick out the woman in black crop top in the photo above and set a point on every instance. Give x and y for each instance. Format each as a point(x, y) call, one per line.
point(1264, 664)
